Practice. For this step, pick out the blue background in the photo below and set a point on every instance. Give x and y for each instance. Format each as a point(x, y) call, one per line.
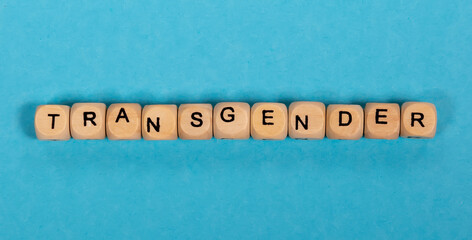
point(62, 52)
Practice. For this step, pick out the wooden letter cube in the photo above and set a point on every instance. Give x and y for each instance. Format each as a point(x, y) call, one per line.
point(269, 121)
point(419, 120)
point(195, 121)
point(51, 122)
point(307, 120)
point(124, 121)
point(159, 122)
point(382, 120)
point(87, 120)
point(344, 122)
point(231, 120)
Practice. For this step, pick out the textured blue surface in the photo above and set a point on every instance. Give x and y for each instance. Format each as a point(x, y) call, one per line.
point(211, 51)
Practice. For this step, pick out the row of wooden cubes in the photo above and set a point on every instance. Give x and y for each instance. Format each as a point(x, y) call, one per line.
point(235, 120)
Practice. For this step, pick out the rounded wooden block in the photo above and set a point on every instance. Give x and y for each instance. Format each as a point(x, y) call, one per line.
point(51, 122)
point(269, 121)
point(344, 121)
point(124, 121)
point(231, 120)
point(195, 121)
point(418, 120)
point(382, 120)
point(87, 120)
point(159, 122)
point(307, 120)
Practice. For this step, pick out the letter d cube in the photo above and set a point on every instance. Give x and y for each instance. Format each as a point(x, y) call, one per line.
point(344, 122)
